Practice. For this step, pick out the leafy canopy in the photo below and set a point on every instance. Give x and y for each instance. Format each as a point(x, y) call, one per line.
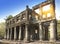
point(9, 17)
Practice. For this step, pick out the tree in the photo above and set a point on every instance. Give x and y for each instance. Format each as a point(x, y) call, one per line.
point(2, 29)
point(2, 26)
point(58, 29)
point(9, 17)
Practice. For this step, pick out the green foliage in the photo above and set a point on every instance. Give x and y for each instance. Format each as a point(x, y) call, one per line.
point(2, 29)
point(9, 17)
point(58, 25)
point(58, 29)
point(2, 26)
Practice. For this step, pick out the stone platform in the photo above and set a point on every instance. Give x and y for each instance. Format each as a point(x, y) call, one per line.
point(34, 42)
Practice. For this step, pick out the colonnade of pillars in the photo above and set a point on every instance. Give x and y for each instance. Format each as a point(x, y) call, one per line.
point(16, 32)
point(48, 32)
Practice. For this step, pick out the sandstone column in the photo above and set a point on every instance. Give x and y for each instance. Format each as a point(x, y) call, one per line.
point(40, 32)
point(7, 34)
point(15, 33)
point(10, 33)
point(52, 31)
point(19, 33)
point(26, 33)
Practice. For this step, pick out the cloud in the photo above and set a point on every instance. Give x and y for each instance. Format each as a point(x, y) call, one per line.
point(2, 20)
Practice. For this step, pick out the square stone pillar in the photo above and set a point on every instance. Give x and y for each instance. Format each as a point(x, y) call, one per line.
point(52, 31)
point(26, 33)
point(40, 32)
point(7, 34)
point(10, 33)
point(15, 33)
point(20, 33)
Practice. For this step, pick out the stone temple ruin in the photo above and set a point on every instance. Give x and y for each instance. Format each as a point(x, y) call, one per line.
point(29, 25)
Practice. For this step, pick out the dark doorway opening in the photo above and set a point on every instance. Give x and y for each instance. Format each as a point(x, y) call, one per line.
point(9, 33)
point(34, 32)
point(45, 27)
point(17, 32)
point(12, 33)
point(22, 31)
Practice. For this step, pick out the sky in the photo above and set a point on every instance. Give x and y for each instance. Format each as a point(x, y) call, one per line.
point(13, 7)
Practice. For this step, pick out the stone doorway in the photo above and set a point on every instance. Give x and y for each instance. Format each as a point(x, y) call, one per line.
point(34, 32)
point(45, 27)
